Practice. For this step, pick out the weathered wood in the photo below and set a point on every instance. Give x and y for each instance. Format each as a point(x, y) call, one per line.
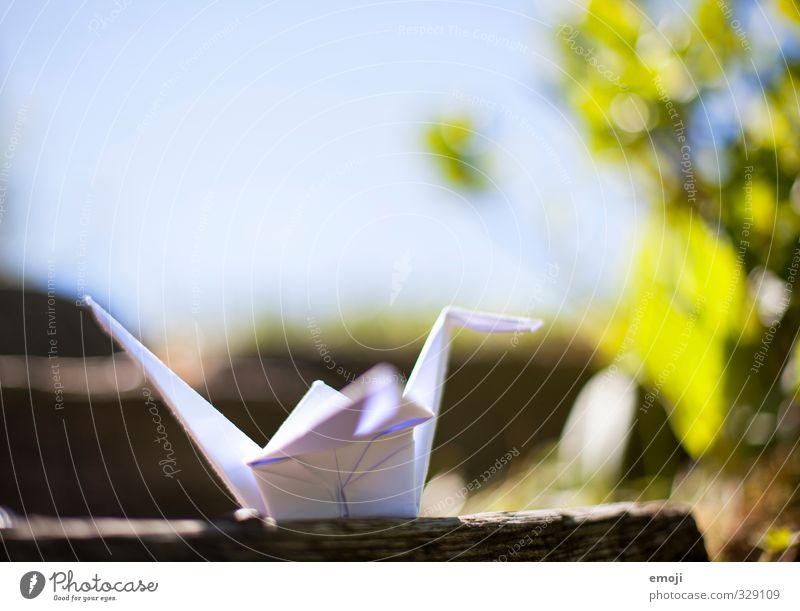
point(623, 531)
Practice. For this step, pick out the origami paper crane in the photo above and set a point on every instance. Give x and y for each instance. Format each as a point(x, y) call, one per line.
point(361, 452)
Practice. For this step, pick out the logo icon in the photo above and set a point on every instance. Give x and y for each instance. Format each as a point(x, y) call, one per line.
point(401, 270)
point(31, 584)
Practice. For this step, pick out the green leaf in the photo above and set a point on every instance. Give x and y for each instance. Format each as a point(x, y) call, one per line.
point(777, 540)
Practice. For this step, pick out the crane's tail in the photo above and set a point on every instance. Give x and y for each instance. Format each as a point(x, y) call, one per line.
point(220, 441)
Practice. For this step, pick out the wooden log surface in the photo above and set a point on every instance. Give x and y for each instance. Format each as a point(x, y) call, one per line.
point(620, 531)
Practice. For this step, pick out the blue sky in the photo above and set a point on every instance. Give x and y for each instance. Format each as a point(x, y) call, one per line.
point(207, 164)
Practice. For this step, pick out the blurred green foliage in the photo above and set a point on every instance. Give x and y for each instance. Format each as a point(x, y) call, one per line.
point(706, 119)
point(777, 540)
point(696, 102)
point(456, 146)
point(703, 115)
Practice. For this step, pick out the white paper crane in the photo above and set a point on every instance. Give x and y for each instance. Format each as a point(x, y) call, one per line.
point(361, 452)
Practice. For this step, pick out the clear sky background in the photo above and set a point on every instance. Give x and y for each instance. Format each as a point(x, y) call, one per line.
point(212, 164)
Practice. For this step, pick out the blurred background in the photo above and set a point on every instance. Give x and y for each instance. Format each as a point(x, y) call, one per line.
point(272, 195)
